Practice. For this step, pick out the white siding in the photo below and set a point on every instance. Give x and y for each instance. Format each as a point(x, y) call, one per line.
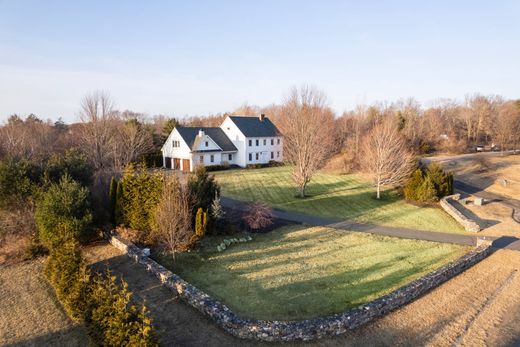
point(238, 139)
point(182, 152)
point(264, 151)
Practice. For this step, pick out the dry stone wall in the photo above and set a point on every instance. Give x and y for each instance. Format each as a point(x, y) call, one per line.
point(299, 330)
point(468, 224)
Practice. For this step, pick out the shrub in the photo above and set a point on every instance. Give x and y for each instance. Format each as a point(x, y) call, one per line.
point(140, 195)
point(201, 223)
point(74, 163)
point(258, 216)
point(113, 320)
point(18, 180)
point(430, 185)
point(68, 274)
point(427, 191)
point(203, 188)
point(440, 180)
point(412, 186)
point(118, 204)
point(63, 213)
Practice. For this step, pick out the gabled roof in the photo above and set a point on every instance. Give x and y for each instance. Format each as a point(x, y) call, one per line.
point(254, 127)
point(189, 135)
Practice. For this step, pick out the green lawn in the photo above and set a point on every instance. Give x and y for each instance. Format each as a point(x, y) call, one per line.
point(332, 195)
point(297, 273)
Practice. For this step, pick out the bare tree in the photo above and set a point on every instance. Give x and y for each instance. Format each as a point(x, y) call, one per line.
point(309, 134)
point(385, 156)
point(97, 133)
point(131, 140)
point(173, 216)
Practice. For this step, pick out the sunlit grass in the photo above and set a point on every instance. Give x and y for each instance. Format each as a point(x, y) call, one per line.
point(335, 196)
point(296, 273)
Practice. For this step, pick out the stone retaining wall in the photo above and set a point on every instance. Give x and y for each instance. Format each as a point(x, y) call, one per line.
point(299, 330)
point(468, 224)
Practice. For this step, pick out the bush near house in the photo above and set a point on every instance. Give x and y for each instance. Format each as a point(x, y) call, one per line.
point(138, 194)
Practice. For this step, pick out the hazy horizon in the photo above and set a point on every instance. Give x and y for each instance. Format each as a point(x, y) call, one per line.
point(201, 58)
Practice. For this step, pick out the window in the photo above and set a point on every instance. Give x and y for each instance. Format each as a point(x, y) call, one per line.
point(272, 142)
point(176, 143)
point(272, 155)
point(277, 141)
point(206, 143)
point(230, 156)
point(250, 143)
point(212, 158)
point(257, 142)
point(278, 154)
point(201, 159)
point(250, 156)
point(256, 155)
point(264, 141)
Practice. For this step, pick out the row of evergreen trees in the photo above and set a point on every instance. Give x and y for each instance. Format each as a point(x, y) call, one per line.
point(64, 220)
point(134, 198)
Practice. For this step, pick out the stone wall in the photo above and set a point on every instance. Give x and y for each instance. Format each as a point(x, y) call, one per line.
point(468, 224)
point(299, 330)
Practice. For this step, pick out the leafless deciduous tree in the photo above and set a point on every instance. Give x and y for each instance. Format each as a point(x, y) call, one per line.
point(385, 156)
point(309, 135)
point(173, 216)
point(258, 216)
point(98, 118)
point(131, 139)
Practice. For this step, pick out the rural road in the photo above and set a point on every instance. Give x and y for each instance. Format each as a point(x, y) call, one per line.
point(467, 240)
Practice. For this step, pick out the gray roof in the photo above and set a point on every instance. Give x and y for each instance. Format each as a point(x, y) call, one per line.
point(254, 127)
point(189, 135)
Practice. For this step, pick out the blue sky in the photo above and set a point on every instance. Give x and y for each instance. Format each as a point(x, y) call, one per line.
point(200, 57)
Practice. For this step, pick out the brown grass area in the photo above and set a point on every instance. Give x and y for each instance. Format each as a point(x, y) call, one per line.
point(491, 175)
point(494, 218)
point(30, 314)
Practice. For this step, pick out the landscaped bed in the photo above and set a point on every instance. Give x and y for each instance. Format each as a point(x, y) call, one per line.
point(296, 272)
point(334, 196)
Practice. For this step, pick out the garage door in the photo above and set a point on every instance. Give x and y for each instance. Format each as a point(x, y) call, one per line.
point(186, 165)
point(168, 162)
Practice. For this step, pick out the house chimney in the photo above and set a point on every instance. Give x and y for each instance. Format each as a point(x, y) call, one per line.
point(201, 133)
point(261, 117)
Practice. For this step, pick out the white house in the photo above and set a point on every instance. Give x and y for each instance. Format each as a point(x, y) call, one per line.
point(238, 141)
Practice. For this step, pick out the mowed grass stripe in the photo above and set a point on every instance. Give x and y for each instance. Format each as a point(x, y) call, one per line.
point(334, 196)
point(298, 273)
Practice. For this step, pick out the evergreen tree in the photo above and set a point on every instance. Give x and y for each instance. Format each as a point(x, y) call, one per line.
point(118, 206)
point(112, 196)
point(217, 212)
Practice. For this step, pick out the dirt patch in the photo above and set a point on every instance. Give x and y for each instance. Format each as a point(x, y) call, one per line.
point(30, 313)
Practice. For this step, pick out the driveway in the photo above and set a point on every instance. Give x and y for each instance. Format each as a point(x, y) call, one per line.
point(347, 225)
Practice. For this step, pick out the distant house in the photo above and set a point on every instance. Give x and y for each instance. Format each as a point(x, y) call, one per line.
point(238, 141)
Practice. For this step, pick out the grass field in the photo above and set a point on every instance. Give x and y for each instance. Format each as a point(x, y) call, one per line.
point(30, 314)
point(332, 195)
point(297, 273)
